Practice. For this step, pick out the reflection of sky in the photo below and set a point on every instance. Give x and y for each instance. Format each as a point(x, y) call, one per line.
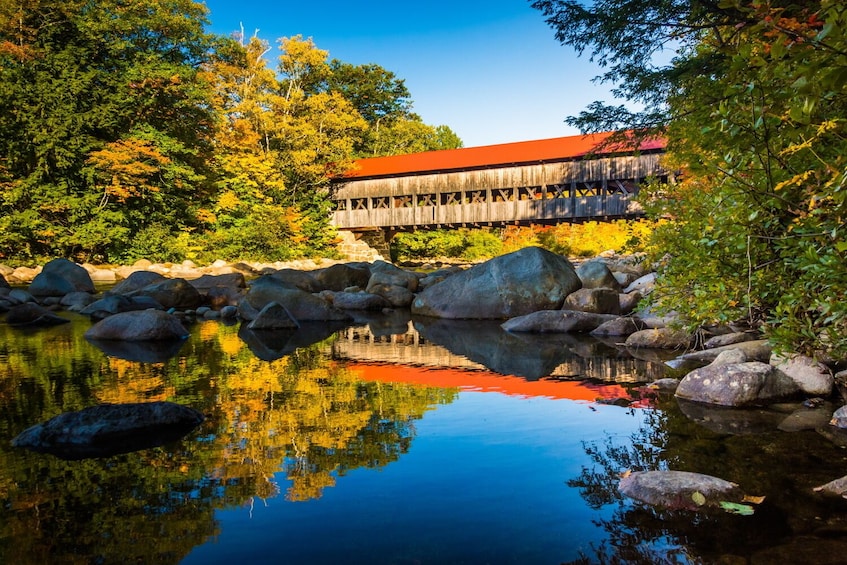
point(491, 70)
point(484, 481)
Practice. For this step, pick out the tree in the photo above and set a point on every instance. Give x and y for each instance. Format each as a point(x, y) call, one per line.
point(316, 132)
point(84, 90)
point(752, 105)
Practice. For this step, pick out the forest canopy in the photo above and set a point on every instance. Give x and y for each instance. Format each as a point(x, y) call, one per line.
point(128, 131)
point(752, 104)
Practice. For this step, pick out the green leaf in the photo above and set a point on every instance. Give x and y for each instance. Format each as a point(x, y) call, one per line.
point(735, 508)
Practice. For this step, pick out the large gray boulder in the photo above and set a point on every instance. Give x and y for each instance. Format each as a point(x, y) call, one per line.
point(302, 305)
point(60, 277)
point(556, 321)
point(737, 384)
point(515, 284)
point(139, 325)
point(383, 273)
point(108, 429)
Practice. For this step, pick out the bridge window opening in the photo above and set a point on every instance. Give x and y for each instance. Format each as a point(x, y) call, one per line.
point(381, 203)
point(451, 198)
point(403, 202)
point(589, 189)
point(359, 203)
point(341, 205)
point(558, 191)
point(477, 197)
point(426, 200)
point(504, 195)
point(530, 193)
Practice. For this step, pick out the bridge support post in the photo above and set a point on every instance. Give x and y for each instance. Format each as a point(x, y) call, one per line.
point(365, 245)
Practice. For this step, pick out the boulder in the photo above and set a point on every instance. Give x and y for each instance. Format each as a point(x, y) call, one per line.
point(756, 350)
point(273, 317)
point(3, 282)
point(109, 429)
point(76, 300)
point(139, 325)
point(300, 304)
point(172, 293)
point(594, 300)
point(226, 280)
point(729, 339)
point(115, 303)
point(359, 301)
point(595, 274)
point(397, 296)
point(296, 279)
point(737, 384)
point(59, 277)
point(386, 273)
point(31, 314)
point(812, 377)
point(556, 321)
point(660, 338)
point(136, 281)
point(341, 276)
point(644, 284)
point(679, 490)
point(515, 284)
point(839, 418)
point(618, 327)
point(629, 302)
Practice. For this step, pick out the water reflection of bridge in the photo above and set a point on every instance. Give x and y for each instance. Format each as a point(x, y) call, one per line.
point(474, 345)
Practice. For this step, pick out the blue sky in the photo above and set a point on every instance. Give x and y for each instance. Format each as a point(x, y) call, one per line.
point(491, 70)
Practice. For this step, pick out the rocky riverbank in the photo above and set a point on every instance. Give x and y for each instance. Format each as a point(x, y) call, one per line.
point(531, 290)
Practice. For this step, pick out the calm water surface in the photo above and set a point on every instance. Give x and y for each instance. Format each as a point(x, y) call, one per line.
point(397, 442)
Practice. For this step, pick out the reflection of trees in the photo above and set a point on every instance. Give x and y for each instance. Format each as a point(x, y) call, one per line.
point(772, 464)
point(310, 418)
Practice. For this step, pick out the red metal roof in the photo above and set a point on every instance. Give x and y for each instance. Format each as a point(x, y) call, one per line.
point(522, 152)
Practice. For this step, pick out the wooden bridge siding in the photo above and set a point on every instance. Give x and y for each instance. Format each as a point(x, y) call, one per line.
point(541, 180)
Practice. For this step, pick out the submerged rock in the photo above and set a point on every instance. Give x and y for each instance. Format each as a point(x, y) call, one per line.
point(30, 314)
point(679, 490)
point(110, 429)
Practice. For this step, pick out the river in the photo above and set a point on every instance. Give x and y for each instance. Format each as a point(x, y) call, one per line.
point(398, 441)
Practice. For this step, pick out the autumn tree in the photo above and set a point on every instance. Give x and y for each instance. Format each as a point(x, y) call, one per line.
point(752, 104)
point(104, 123)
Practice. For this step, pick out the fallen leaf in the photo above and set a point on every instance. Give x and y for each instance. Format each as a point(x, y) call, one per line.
point(626, 473)
point(753, 499)
point(735, 508)
point(698, 498)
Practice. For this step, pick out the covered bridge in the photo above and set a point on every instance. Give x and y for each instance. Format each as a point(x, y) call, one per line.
point(546, 181)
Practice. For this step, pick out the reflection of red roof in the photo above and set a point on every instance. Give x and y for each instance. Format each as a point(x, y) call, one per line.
point(522, 152)
point(485, 381)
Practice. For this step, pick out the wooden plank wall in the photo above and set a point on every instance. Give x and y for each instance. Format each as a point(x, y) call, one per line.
point(581, 189)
